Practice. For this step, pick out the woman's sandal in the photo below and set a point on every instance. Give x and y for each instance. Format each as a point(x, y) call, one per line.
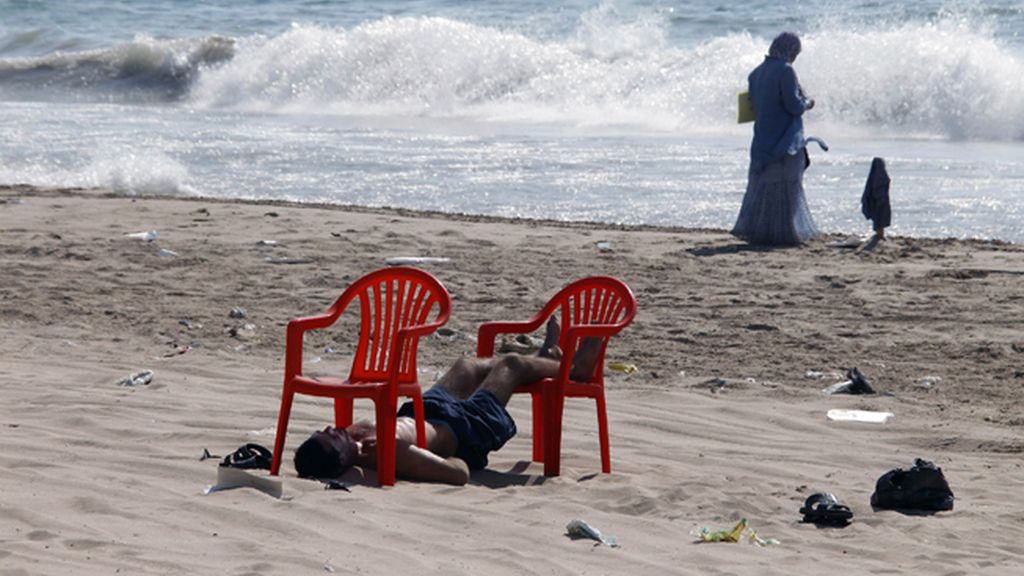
point(249, 457)
point(823, 508)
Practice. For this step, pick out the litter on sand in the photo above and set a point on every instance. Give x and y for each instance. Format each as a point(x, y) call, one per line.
point(623, 367)
point(735, 535)
point(409, 260)
point(848, 242)
point(137, 379)
point(842, 415)
point(580, 529)
point(228, 478)
point(147, 236)
point(857, 383)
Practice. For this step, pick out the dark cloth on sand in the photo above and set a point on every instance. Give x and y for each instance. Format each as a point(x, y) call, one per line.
point(480, 424)
point(874, 204)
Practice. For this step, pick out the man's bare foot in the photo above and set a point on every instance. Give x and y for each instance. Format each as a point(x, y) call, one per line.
point(585, 360)
point(550, 347)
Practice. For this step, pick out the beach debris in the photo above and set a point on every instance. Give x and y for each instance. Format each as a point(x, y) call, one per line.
point(623, 367)
point(272, 260)
point(206, 455)
point(412, 260)
point(734, 536)
point(838, 388)
point(859, 383)
point(842, 415)
point(178, 351)
point(165, 253)
point(927, 382)
point(228, 478)
point(188, 324)
point(848, 242)
point(824, 509)
point(604, 246)
point(817, 375)
point(137, 379)
point(237, 313)
point(580, 529)
point(856, 383)
point(147, 236)
point(921, 487)
point(335, 484)
point(242, 333)
point(266, 242)
point(249, 456)
point(520, 344)
point(452, 334)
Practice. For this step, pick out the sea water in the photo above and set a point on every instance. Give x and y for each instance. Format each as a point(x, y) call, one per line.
point(619, 111)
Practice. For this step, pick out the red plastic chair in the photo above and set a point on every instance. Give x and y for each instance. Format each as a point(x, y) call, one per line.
point(598, 306)
point(396, 304)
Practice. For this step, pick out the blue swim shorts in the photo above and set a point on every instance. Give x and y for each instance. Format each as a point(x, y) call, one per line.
point(480, 424)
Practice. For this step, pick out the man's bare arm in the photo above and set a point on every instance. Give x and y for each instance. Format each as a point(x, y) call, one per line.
point(415, 463)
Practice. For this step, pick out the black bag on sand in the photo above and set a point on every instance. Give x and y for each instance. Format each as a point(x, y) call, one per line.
point(922, 487)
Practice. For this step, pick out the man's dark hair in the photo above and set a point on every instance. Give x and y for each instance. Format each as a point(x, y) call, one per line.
point(316, 458)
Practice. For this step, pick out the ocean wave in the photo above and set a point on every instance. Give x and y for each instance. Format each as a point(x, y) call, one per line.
point(939, 79)
point(144, 69)
point(942, 76)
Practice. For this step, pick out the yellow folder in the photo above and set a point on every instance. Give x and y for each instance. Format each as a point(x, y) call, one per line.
point(745, 108)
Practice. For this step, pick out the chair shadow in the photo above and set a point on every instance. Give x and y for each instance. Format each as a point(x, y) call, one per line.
point(732, 249)
point(513, 477)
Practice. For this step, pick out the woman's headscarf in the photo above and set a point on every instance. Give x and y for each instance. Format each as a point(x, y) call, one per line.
point(785, 45)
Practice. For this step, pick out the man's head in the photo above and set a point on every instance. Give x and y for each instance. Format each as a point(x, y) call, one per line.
point(785, 46)
point(326, 454)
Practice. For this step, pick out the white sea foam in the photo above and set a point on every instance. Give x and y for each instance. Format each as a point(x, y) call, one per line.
point(122, 171)
point(937, 79)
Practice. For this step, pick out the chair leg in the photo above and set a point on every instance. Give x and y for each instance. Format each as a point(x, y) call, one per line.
point(282, 430)
point(553, 406)
point(602, 432)
point(342, 412)
point(421, 426)
point(385, 443)
point(537, 402)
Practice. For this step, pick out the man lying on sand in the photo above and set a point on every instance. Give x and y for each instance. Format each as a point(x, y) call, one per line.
point(465, 418)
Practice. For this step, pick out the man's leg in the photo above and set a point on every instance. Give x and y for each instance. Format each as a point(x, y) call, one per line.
point(513, 370)
point(467, 374)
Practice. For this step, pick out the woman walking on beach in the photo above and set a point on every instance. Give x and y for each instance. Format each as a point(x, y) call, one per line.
point(774, 210)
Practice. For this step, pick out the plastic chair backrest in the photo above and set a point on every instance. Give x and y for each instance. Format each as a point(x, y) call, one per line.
point(594, 300)
point(393, 300)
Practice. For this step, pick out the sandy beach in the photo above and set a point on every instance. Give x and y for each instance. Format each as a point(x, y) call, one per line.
point(723, 419)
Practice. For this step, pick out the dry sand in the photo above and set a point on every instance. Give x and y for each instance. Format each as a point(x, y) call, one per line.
point(721, 421)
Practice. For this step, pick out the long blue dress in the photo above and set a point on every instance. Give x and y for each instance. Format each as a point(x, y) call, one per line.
point(774, 210)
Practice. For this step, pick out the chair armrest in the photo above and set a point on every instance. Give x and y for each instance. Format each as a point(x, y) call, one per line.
point(489, 331)
point(596, 330)
point(293, 341)
point(396, 358)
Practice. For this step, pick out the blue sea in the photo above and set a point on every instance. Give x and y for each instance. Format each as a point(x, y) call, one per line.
point(618, 111)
